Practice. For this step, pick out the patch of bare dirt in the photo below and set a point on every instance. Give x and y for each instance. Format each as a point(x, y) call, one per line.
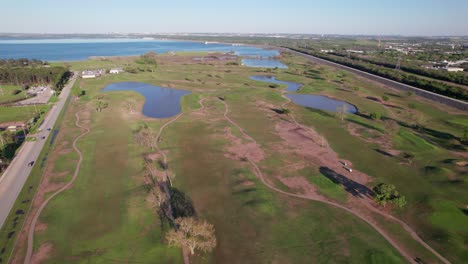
point(300, 185)
point(310, 145)
point(463, 155)
point(40, 227)
point(153, 156)
point(462, 163)
point(247, 183)
point(65, 151)
point(239, 150)
point(42, 253)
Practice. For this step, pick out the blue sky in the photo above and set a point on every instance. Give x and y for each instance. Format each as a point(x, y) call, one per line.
point(410, 17)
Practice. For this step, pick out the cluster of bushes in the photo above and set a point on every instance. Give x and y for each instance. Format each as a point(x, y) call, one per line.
point(132, 69)
point(409, 79)
point(56, 76)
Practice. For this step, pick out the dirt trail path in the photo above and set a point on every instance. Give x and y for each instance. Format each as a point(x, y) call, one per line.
point(394, 243)
point(32, 227)
point(159, 135)
point(259, 174)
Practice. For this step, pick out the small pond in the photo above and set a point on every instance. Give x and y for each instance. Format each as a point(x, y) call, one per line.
point(320, 102)
point(159, 102)
point(291, 86)
point(308, 100)
point(263, 63)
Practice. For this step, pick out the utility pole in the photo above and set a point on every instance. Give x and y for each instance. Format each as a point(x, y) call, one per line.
point(397, 66)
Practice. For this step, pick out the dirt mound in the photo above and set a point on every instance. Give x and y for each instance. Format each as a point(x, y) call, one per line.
point(310, 145)
point(4, 126)
point(239, 150)
point(42, 253)
point(300, 185)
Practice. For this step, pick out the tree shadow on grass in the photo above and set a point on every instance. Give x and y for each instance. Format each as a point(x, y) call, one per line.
point(383, 152)
point(354, 188)
point(182, 205)
point(393, 94)
point(363, 124)
point(320, 112)
point(255, 202)
point(244, 191)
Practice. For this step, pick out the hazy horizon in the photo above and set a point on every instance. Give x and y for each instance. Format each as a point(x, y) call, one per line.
point(335, 17)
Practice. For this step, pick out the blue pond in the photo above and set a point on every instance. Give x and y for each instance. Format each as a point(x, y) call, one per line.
point(320, 102)
point(263, 63)
point(308, 100)
point(159, 102)
point(291, 86)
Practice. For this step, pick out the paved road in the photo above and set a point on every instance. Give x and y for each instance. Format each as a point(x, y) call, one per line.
point(462, 105)
point(16, 174)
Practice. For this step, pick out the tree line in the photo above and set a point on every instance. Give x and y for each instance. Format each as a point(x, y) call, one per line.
point(187, 231)
point(23, 62)
point(455, 77)
point(399, 76)
point(55, 76)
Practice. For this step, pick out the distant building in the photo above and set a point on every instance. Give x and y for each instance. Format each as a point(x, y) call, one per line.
point(454, 69)
point(116, 70)
point(355, 51)
point(88, 75)
point(92, 74)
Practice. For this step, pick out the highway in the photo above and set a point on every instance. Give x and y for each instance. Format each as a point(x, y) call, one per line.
point(462, 105)
point(13, 179)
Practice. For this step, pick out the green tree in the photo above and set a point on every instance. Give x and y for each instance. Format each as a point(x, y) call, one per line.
point(285, 111)
point(386, 193)
point(375, 116)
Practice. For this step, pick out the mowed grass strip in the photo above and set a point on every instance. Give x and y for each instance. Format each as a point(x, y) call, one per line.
point(104, 217)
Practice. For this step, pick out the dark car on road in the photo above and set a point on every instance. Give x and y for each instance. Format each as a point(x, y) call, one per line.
point(31, 163)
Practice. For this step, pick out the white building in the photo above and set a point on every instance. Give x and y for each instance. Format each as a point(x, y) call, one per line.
point(116, 70)
point(88, 76)
point(454, 69)
point(355, 51)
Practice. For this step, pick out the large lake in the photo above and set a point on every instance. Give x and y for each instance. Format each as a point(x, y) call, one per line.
point(160, 102)
point(81, 49)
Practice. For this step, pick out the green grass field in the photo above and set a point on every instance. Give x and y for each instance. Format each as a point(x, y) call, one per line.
point(104, 217)
point(8, 94)
point(20, 113)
